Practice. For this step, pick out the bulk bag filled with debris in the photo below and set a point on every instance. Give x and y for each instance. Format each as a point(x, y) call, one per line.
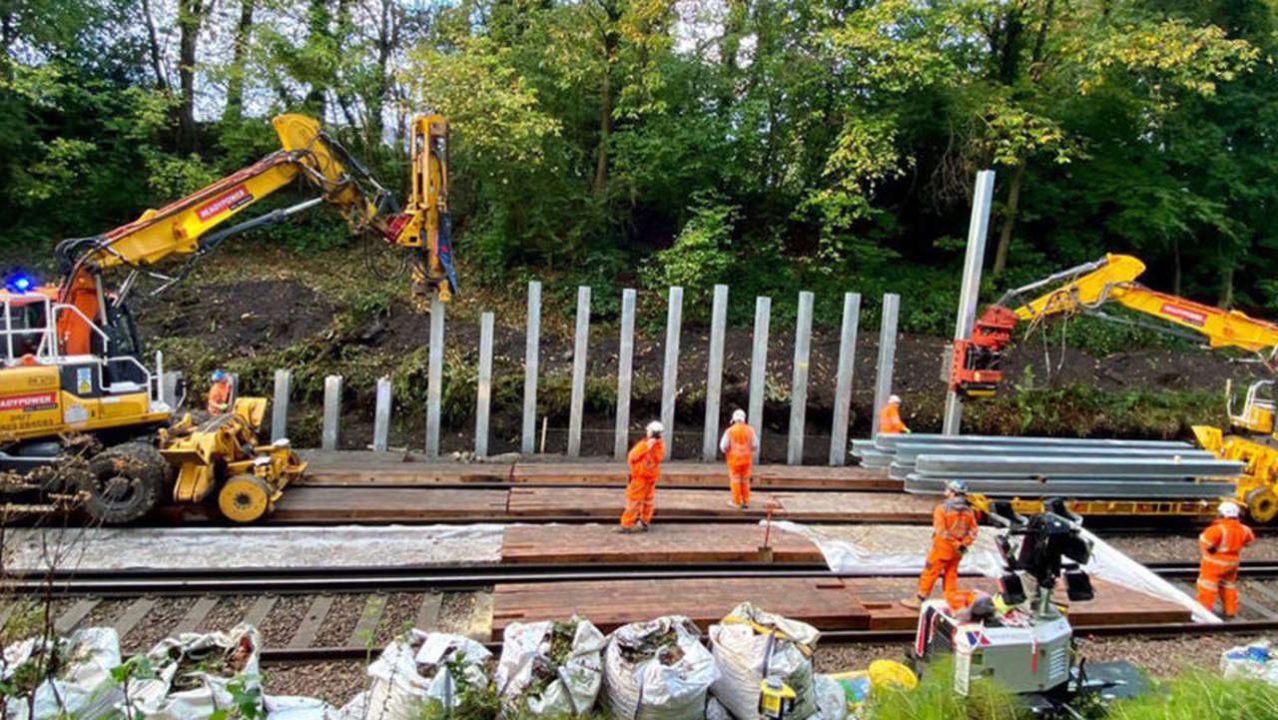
point(419, 670)
point(550, 669)
point(77, 672)
point(193, 675)
point(750, 645)
point(658, 670)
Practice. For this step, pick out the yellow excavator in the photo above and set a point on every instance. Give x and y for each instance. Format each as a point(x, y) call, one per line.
point(974, 361)
point(82, 419)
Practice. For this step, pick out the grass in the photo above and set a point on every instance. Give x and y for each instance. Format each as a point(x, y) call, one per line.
point(935, 699)
point(1199, 695)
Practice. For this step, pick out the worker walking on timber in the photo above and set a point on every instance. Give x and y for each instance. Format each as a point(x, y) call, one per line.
point(738, 444)
point(645, 467)
point(953, 532)
point(219, 400)
point(1222, 545)
point(890, 422)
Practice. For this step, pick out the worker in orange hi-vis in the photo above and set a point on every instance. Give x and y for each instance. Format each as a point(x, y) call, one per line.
point(953, 532)
point(219, 400)
point(1222, 545)
point(738, 444)
point(645, 467)
point(890, 422)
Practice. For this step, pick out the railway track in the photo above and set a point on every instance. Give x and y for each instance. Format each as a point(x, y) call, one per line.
point(316, 615)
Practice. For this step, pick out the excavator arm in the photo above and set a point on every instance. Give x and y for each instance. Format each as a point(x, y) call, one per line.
point(974, 361)
point(193, 226)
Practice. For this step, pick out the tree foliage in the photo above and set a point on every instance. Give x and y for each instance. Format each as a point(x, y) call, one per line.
point(770, 144)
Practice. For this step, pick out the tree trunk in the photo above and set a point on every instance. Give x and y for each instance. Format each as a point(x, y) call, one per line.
point(1228, 262)
point(190, 17)
point(1176, 269)
point(153, 46)
point(605, 129)
point(235, 85)
point(315, 102)
point(387, 41)
point(1009, 221)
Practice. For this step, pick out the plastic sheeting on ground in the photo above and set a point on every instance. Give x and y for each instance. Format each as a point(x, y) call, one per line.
point(551, 669)
point(658, 670)
point(419, 668)
point(751, 644)
point(874, 549)
point(346, 545)
point(1253, 661)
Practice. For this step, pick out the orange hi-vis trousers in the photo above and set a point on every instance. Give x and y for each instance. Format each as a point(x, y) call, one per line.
point(641, 496)
point(1218, 575)
point(942, 562)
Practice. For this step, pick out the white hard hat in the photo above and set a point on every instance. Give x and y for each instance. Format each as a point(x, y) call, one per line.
point(958, 487)
point(738, 416)
point(655, 427)
point(1229, 509)
point(894, 399)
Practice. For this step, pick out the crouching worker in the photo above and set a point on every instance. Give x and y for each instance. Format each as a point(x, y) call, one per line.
point(645, 467)
point(1222, 545)
point(953, 532)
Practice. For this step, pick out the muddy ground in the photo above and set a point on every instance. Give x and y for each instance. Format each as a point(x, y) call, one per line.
point(255, 317)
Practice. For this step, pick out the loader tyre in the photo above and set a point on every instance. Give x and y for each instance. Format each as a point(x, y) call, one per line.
point(124, 483)
point(1262, 504)
point(244, 498)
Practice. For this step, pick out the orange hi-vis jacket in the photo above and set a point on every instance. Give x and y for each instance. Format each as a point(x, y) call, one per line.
point(1223, 541)
point(219, 398)
point(645, 460)
point(953, 527)
point(738, 444)
point(890, 422)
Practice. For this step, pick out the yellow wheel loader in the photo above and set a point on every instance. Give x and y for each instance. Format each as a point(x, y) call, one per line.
point(82, 421)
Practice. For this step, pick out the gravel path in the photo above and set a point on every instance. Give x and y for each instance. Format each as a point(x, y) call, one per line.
point(228, 612)
point(341, 620)
point(456, 612)
point(286, 614)
point(1184, 548)
point(333, 682)
point(157, 624)
point(398, 616)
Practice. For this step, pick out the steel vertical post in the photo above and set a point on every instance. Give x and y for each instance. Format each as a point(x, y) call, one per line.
point(759, 367)
point(332, 412)
point(382, 416)
point(799, 379)
point(532, 352)
point(484, 384)
point(625, 371)
point(887, 356)
point(714, 373)
point(844, 377)
point(279, 409)
point(579, 351)
point(670, 374)
point(978, 229)
point(434, 377)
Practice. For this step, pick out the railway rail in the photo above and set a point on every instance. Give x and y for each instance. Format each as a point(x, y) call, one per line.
point(126, 599)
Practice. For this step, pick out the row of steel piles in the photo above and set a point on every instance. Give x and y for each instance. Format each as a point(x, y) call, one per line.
point(1039, 466)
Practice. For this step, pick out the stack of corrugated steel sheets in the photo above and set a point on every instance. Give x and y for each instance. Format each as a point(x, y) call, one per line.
point(1038, 466)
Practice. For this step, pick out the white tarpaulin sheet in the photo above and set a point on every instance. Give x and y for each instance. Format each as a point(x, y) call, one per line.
point(874, 549)
point(220, 547)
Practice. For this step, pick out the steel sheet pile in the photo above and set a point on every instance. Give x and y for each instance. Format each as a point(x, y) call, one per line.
point(1042, 467)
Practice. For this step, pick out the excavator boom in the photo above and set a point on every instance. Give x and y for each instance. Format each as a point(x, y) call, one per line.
point(192, 226)
point(1085, 289)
